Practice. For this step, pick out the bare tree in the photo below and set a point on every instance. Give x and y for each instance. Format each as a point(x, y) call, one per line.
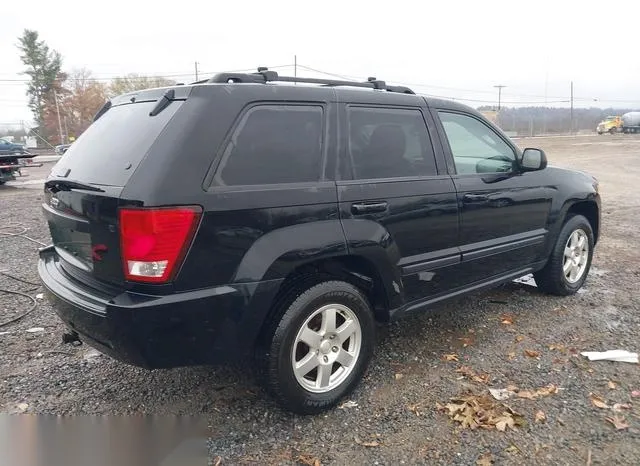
point(84, 98)
point(134, 82)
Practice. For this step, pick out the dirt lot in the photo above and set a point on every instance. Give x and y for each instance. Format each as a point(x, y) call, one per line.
point(509, 336)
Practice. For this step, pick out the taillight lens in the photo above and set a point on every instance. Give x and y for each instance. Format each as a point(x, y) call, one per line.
point(155, 241)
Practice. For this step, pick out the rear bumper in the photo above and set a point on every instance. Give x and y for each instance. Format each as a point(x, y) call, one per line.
point(206, 326)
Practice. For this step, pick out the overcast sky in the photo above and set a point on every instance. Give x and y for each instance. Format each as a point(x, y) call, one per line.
point(457, 49)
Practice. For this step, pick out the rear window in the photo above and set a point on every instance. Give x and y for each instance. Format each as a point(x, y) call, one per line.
point(110, 150)
point(274, 144)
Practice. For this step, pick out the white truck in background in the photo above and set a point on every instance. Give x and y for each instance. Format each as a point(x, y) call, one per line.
point(631, 122)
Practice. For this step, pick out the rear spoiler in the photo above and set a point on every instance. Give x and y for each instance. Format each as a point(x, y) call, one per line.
point(159, 94)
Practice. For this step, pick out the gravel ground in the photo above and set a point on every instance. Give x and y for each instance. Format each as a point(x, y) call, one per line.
point(512, 335)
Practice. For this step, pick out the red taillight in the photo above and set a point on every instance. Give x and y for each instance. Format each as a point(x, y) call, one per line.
point(154, 241)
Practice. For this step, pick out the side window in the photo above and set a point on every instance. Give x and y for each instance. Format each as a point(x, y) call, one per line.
point(476, 148)
point(274, 144)
point(387, 143)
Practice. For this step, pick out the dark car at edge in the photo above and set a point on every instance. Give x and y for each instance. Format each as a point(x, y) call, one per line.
point(246, 217)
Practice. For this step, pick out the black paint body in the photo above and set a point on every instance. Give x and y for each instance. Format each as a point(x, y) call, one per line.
point(427, 238)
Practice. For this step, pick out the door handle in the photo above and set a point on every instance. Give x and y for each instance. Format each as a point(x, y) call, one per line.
point(366, 208)
point(475, 198)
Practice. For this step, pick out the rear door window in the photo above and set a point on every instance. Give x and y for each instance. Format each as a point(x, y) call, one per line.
point(274, 144)
point(389, 143)
point(110, 150)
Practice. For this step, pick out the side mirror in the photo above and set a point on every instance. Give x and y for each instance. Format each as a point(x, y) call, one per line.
point(533, 160)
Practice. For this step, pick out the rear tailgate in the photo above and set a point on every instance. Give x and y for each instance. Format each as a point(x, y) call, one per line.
point(82, 194)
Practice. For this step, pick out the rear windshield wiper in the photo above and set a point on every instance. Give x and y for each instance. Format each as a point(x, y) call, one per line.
point(68, 185)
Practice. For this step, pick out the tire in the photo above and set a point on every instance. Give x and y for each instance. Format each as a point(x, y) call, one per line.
point(552, 278)
point(612, 131)
point(332, 370)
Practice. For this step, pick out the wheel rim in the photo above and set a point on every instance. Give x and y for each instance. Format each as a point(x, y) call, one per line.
point(326, 348)
point(576, 256)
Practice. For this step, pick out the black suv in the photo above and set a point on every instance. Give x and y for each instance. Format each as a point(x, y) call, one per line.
point(280, 218)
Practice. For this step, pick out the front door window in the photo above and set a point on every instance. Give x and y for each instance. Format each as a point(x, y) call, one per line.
point(475, 147)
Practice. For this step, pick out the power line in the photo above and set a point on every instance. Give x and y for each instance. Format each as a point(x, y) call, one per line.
point(355, 79)
point(188, 75)
point(151, 76)
point(558, 99)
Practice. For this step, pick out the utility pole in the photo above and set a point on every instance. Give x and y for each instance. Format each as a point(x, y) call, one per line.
point(571, 128)
point(499, 86)
point(55, 96)
point(295, 66)
point(546, 93)
point(196, 64)
point(66, 130)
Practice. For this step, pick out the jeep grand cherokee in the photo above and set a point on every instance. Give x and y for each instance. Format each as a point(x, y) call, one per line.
point(249, 217)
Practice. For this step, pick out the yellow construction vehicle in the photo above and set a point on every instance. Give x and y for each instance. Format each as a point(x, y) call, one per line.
point(611, 124)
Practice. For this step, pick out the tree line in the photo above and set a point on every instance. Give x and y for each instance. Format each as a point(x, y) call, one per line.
point(527, 121)
point(64, 103)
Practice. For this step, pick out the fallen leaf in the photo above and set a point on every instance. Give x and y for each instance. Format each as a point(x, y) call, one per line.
point(481, 411)
point(40, 296)
point(21, 407)
point(451, 357)
point(503, 422)
point(217, 461)
point(511, 356)
point(399, 376)
point(598, 402)
point(519, 338)
point(560, 348)
point(512, 449)
point(620, 406)
point(466, 341)
point(416, 408)
point(500, 394)
point(612, 385)
point(506, 319)
point(635, 394)
point(532, 354)
point(485, 460)
point(470, 374)
point(618, 422)
point(371, 443)
point(540, 416)
point(529, 395)
point(348, 404)
point(309, 460)
point(548, 390)
point(512, 388)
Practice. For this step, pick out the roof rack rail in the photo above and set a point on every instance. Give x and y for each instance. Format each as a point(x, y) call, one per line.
point(264, 76)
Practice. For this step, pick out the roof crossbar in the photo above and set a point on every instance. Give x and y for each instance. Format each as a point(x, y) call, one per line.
point(264, 76)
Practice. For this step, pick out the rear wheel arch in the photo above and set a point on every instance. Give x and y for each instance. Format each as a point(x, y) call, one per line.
point(359, 271)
